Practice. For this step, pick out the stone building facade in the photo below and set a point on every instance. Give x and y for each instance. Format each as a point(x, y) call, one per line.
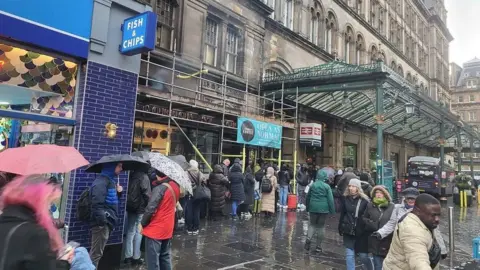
point(247, 39)
point(465, 87)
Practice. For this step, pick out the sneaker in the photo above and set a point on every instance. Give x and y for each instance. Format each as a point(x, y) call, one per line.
point(195, 232)
point(181, 221)
point(127, 261)
point(318, 249)
point(248, 216)
point(138, 261)
point(285, 207)
point(189, 232)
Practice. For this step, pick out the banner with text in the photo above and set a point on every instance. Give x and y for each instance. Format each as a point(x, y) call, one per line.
point(259, 133)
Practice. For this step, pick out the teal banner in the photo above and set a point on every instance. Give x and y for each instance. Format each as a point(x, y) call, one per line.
point(258, 133)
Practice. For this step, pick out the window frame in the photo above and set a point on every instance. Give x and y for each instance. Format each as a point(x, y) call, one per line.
point(232, 54)
point(161, 24)
point(207, 43)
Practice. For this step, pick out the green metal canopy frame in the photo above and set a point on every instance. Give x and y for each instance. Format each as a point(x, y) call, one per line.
point(376, 98)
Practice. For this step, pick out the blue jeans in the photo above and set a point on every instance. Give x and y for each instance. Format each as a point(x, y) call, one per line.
point(283, 195)
point(366, 260)
point(158, 254)
point(134, 237)
point(378, 262)
point(234, 208)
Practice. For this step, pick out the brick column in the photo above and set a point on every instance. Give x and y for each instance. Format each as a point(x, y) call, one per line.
point(106, 94)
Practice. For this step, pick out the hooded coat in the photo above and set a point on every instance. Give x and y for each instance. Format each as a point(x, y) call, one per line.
point(375, 217)
point(249, 186)
point(320, 197)
point(343, 182)
point(268, 199)
point(236, 183)
point(217, 183)
point(104, 198)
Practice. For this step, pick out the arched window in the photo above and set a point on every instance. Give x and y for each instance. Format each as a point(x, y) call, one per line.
point(400, 70)
point(373, 54)
point(409, 77)
point(330, 30)
point(360, 47)
point(348, 45)
point(316, 24)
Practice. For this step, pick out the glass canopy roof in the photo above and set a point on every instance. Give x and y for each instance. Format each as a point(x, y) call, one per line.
point(349, 92)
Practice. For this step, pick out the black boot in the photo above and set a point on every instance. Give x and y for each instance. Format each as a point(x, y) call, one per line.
point(318, 249)
point(307, 245)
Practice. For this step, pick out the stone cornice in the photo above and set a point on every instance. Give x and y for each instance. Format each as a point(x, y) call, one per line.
point(261, 7)
point(443, 27)
point(297, 39)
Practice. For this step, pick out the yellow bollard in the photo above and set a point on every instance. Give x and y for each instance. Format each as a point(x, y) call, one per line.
point(465, 201)
point(461, 198)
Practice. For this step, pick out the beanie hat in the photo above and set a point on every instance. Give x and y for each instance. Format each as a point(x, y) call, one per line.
point(194, 163)
point(355, 182)
point(411, 193)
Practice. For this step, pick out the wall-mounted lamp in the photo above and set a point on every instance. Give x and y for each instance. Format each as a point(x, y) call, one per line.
point(110, 130)
point(409, 108)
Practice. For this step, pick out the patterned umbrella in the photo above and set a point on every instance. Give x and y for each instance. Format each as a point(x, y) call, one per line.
point(171, 169)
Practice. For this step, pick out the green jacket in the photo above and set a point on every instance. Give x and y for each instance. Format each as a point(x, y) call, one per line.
point(320, 197)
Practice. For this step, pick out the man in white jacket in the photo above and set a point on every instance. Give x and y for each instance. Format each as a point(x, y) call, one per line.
point(410, 195)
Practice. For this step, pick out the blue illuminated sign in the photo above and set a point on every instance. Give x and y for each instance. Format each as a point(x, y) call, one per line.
point(258, 133)
point(139, 34)
point(67, 31)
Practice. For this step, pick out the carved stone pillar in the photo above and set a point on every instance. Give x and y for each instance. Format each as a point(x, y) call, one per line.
point(339, 145)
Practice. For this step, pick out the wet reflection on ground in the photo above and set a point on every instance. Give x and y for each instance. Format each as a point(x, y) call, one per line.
point(277, 243)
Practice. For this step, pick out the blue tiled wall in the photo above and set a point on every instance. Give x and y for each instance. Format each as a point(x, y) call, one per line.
point(106, 94)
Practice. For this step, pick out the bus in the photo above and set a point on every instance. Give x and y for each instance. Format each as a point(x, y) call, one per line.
point(423, 173)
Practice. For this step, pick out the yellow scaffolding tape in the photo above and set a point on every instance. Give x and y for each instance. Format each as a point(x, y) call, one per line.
point(193, 145)
point(243, 159)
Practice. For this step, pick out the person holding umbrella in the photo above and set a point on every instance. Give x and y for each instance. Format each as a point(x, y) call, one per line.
point(158, 221)
point(104, 197)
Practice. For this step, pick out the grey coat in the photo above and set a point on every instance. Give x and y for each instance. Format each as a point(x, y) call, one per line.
point(399, 212)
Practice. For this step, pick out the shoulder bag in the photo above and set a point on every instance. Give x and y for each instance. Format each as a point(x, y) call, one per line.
point(351, 228)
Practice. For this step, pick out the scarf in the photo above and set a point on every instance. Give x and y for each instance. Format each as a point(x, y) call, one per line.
point(380, 202)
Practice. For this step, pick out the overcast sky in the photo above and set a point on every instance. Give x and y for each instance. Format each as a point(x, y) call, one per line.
point(463, 20)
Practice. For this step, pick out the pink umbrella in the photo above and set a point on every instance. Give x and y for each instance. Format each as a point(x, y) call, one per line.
point(41, 159)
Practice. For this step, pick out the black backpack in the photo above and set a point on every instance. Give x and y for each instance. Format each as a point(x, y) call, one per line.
point(266, 185)
point(84, 206)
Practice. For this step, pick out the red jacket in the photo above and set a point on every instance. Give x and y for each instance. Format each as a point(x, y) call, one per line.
point(159, 218)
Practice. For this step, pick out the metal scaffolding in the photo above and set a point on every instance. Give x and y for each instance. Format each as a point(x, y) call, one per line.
point(210, 100)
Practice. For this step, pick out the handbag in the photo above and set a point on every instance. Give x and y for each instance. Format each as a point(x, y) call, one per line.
point(351, 228)
point(202, 192)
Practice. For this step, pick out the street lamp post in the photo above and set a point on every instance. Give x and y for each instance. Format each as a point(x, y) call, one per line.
point(379, 118)
point(459, 150)
point(471, 155)
point(443, 179)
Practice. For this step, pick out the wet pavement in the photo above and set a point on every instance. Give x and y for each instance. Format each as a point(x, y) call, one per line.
point(277, 243)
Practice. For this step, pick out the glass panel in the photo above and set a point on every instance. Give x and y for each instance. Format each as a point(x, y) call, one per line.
point(350, 155)
point(210, 55)
point(165, 12)
point(36, 83)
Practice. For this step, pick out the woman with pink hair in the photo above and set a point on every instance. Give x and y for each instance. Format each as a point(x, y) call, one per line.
point(28, 237)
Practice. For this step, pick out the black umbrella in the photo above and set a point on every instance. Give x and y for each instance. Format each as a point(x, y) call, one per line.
point(142, 154)
point(180, 160)
point(129, 163)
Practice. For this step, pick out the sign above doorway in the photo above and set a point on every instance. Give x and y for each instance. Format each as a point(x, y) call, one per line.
point(258, 133)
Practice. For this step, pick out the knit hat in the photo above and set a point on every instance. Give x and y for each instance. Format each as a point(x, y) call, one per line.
point(355, 182)
point(193, 164)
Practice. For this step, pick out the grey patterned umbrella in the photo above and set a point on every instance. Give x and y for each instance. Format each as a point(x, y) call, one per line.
point(180, 160)
point(142, 154)
point(171, 169)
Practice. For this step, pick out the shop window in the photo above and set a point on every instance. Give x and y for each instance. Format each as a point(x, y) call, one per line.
point(231, 51)
point(211, 42)
point(165, 10)
point(36, 83)
point(349, 155)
